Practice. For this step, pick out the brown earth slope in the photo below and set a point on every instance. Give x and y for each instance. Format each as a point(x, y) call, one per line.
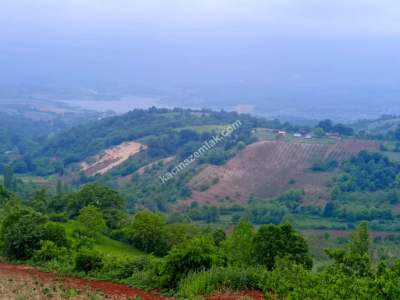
point(111, 158)
point(269, 168)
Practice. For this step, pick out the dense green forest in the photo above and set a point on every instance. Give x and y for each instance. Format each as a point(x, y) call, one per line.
point(22, 137)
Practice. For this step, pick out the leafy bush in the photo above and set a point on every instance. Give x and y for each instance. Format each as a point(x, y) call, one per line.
point(82, 238)
point(220, 279)
point(291, 199)
point(148, 278)
point(49, 251)
point(88, 260)
point(21, 233)
point(193, 255)
point(324, 165)
point(57, 234)
point(118, 269)
point(290, 281)
point(265, 213)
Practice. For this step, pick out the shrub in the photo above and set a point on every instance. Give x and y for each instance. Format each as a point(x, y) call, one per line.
point(218, 279)
point(148, 277)
point(324, 165)
point(88, 260)
point(21, 233)
point(123, 269)
point(49, 251)
point(193, 255)
point(178, 233)
point(82, 239)
point(57, 234)
point(287, 280)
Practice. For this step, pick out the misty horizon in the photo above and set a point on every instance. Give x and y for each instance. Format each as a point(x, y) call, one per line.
point(280, 58)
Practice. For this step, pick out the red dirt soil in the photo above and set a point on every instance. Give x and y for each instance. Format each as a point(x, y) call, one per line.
point(255, 295)
point(266, 169)
point(109, 289)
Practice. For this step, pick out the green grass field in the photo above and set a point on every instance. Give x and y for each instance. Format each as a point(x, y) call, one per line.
point(105, 245)
point(310, 222)
point(204, 128)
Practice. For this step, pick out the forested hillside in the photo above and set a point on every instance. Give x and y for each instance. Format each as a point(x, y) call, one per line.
point(268, 200)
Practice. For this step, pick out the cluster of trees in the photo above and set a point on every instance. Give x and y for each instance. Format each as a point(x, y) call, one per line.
point(22, 139)
point(327, 126)
point(324, 165)
point(368, 172)
point(35, 231)
point(365, 189)
point(182, 257)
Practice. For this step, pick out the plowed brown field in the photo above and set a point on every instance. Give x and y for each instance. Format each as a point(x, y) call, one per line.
point(269, 168)
point(24, 282)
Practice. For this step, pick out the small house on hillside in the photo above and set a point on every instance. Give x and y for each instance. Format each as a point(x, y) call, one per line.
point(281, 133)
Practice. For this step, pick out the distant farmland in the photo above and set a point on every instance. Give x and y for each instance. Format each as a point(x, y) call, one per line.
point(269, 168)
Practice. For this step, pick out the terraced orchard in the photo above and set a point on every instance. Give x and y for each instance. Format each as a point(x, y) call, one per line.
point(269, 168)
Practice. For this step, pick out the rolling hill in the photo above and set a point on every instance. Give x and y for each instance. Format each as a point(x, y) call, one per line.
point(268, 168)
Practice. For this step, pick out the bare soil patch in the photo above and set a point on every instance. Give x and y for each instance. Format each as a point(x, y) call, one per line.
point(246, 295)
point(111, 158)
point(24, 282)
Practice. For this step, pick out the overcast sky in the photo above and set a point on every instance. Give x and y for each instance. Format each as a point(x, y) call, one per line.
point(200, 43)
point(223, 17)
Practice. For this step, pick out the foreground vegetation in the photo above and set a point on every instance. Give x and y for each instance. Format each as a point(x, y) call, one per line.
point(89, 234)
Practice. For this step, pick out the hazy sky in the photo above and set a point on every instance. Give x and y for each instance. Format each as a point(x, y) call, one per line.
point(210, 17)
point(211, 47)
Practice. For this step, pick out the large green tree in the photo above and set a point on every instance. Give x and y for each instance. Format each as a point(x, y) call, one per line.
point(102, 197)
point(193, 255)
point(92, 219)
point(8, 175)
point(147, 232)
point(354, 260)
point(238, 247)
point(280, 241)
